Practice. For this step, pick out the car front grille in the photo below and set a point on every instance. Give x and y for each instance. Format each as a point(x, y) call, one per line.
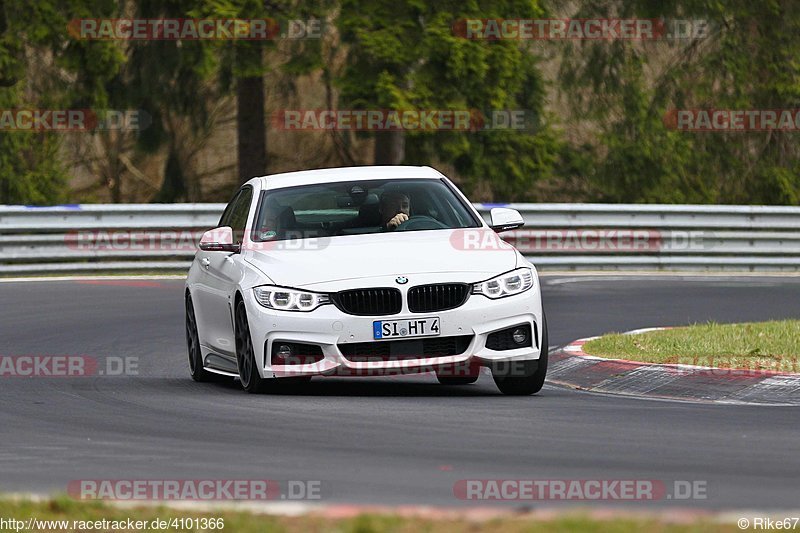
point(368, 302)
point(365, 352)
point(437, 297)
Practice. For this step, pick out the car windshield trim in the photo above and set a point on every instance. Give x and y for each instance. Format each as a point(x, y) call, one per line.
point(444, 208)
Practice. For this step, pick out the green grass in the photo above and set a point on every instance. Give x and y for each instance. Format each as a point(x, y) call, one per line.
point(755, 346)
point(243, 522)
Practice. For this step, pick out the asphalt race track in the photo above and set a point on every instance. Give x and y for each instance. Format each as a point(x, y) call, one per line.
point(402, 440)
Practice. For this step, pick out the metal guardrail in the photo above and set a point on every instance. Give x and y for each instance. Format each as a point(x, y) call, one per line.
point(157, 237)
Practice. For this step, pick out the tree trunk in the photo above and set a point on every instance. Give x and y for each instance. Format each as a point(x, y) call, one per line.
point(250, 125)
point(390, 147)
point(174, 186)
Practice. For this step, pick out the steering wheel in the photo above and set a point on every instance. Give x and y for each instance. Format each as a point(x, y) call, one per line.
point(418, 222)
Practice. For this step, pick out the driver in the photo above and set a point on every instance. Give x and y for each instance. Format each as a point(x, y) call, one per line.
point(395, 208)
point(268, 229)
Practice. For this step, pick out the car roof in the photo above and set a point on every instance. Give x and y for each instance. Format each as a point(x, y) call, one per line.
point(329, 175)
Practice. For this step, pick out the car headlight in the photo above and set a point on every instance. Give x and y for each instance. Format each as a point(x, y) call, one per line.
point(283, 299)
point(508, 284)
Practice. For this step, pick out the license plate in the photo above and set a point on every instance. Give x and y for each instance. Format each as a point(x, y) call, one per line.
point(406, 328)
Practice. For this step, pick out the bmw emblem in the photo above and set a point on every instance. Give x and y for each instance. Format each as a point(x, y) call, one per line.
point(402, 280)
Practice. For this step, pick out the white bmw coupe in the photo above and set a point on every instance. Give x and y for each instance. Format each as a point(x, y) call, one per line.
point(363, 271)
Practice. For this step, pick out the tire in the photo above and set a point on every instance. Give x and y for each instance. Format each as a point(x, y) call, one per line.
point(532, 376)
point(252, 381)
point(196, 369)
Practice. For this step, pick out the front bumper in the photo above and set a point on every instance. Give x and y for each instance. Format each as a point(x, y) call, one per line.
point(328, 327)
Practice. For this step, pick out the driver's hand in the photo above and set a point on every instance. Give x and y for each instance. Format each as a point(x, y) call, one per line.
point(396, 220)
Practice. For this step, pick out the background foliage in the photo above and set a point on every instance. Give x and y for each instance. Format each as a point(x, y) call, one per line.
point(599, 132)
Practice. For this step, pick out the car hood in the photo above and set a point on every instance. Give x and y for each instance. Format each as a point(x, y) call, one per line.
point(313, 261)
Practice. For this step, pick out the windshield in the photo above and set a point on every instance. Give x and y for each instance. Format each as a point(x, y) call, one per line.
point(358, 207)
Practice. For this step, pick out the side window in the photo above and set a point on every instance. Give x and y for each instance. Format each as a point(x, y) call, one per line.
point(225, 219)
point(238, 216)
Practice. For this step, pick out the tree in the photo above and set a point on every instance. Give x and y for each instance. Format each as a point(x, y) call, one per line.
point(43, 67)
point(404, 54)
point(746, 61)
point(242, 67)
point(170, 81)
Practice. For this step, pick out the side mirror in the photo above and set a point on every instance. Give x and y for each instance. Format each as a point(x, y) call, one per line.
point(504, 219)
point(219, 240)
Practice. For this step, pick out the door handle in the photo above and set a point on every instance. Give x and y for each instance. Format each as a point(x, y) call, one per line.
point(206, 262)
